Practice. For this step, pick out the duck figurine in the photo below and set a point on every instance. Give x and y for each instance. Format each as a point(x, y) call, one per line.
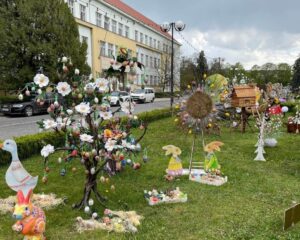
point(17, 178)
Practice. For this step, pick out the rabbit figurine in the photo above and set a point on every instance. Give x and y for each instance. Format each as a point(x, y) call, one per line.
point(31, 220)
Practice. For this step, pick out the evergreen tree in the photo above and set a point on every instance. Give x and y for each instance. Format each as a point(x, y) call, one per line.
point(35, 34)
point(202, 66)
point(296, 75)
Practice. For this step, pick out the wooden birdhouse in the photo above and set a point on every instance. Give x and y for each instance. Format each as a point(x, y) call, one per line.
point(243, 96)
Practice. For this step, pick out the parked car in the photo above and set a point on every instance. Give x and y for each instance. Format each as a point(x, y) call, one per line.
point(28, 106)
point(117, 97)
point(143, 95)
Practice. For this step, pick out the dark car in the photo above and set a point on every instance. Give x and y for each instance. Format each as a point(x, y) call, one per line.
point(28, 106)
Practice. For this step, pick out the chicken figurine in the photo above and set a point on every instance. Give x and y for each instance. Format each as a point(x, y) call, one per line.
point(17, 178)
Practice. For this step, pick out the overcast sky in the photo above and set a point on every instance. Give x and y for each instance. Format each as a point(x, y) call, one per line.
point(246, 31)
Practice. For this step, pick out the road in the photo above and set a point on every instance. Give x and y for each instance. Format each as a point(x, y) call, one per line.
point(18, 126)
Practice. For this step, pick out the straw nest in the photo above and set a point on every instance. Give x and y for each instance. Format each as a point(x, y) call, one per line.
point(199, 105)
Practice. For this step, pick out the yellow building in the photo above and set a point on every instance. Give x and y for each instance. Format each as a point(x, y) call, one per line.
point(110, 24)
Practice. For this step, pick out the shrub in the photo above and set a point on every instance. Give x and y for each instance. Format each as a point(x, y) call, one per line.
point(7, 99)
point(290, 105)
point(32, 144)
point(166, 94)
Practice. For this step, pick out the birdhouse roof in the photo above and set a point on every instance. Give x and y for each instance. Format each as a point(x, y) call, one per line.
point(244, 91)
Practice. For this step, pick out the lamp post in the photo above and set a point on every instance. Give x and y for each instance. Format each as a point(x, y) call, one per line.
point(166, 27)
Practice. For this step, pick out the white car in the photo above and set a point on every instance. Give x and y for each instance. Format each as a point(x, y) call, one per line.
point(143, 95)
point(118, 97)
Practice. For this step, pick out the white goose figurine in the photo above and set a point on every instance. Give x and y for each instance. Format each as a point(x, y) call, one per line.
point(17, 178)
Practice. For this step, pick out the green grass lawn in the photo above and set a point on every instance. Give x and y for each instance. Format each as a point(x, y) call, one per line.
point(249, 206)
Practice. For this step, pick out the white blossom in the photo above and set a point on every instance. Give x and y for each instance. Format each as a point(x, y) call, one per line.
point(83, 108)
point(49, 124)
point(63, 88)
point(110, 144)
point(86, 138)
point(41, 80)
point(47, 150)
point(102, 84)
point(127, 107)
point(105, 115)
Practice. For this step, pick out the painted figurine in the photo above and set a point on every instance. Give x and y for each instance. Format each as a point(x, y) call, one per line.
point(17, 178)
point(31, 220)
point(175, 166)
point(211, 163)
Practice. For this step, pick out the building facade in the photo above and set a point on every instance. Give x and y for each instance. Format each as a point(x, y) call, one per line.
point(109, 24)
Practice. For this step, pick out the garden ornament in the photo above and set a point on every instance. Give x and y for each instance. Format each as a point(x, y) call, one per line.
point(17, 178)
point(175, 166)
point(31, 219)
point(211, 162)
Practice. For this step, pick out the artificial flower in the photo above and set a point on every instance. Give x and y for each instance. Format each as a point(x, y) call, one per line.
point(110, 144)
point(86, 138)
point(102, 84)
point(41, 80)
point(83, 108)
point(63, 88)
point(108, 133)
point(49, 124)
point(47, 150)
point(106, 115)
point(127, 107)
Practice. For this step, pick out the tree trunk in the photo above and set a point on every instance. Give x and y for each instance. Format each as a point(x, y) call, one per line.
point(90, 186)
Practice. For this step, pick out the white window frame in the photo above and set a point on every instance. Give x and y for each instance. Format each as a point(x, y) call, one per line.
point(107, 23)
point(103, 49)
point(120, 29)
point(114, 26)
point(71, 6)
point(82, 12)
point(98, 19)
point(126, 31)
point(110, 50)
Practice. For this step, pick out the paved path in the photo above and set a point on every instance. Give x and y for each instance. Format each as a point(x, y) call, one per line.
point(18, 126)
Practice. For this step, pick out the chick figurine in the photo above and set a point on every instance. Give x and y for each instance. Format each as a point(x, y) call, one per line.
point(175, 165)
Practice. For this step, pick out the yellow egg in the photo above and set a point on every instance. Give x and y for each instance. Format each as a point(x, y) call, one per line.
point(190, 131)
point(227, 114)
point(176, 120)
point(209, 125)
point(188, 86)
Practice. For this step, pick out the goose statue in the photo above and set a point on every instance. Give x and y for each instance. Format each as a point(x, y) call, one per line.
point(17, 178)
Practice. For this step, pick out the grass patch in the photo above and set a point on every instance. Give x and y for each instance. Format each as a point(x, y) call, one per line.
point(249, 206)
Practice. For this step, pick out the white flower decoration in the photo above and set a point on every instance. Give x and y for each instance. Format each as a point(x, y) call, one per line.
point(102, 84)
point(49, 124)
point(47, 150)
point(106, 115)
point(127, 107)
point(83, 108)
point(77, 72)
point(110, 144)
point(41, 80)
point(86, 138)
point(63, 88)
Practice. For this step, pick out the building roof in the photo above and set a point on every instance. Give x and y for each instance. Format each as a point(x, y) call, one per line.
point(244, 91)
point(137, 15)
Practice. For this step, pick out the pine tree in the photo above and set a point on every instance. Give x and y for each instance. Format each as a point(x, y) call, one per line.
point(296, 76)
point(202, 66)
point(35, 34)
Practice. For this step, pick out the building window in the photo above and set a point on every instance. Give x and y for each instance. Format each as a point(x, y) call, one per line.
point(158, 63)
point(114, 26)
point(98, 19)
point(129, 51)
point(151, 80)
point(155, 80)
point(110, 50)
point(84, 39)
point(146, 39)
point(150, 41)
point(103, 48)
point(136, 36)
point(116, 50)
point(147, 61)
point(154, 43)
point(155, 63)
point(151, 62)
point(142, 58)
point(158, 45)
point(82, 12)
point(141, 37)
point(71, 6)
point(127, 31)
point(107, 23)
point(121, 29)
point(137, 56)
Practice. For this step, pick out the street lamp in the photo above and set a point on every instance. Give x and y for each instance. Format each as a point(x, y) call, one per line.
point(166, 27)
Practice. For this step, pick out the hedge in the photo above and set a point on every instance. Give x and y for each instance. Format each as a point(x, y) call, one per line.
point(165, 94)
point(7, 99)
point(30, 145)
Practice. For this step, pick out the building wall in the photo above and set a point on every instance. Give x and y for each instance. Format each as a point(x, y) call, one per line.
point(91, 16)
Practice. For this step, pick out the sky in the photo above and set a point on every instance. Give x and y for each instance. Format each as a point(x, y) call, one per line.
point(246, 31)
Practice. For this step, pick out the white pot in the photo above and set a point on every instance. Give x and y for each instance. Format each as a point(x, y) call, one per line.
point(270, 142)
